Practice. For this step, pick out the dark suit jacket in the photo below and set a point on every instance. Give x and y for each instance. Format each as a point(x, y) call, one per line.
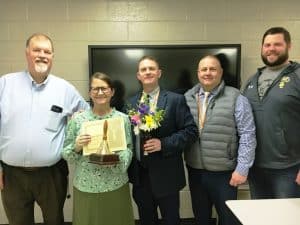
point(176, 132)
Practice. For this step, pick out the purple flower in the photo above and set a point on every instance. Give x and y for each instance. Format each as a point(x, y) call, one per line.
point(143, 109)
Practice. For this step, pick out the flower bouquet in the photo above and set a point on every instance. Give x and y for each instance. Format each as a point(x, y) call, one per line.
point(145, 120)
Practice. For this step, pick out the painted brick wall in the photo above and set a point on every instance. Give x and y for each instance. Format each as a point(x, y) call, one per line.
point(74, 24)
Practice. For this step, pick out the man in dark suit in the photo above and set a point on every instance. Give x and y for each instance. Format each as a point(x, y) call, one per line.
point(158, 175)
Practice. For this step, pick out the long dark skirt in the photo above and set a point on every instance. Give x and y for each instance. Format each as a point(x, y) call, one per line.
point(107, 208)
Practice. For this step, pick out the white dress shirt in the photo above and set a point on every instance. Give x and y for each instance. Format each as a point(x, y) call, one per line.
point(33, 118)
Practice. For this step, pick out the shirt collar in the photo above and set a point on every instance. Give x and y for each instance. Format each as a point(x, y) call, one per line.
point(153, 93)
point(91, 114)
point(34, 83)
point(213, 92)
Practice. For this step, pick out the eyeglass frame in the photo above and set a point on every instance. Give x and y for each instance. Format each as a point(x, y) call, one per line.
point(104, 90)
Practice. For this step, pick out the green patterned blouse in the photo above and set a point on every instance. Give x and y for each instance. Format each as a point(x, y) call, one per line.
point(93, 178)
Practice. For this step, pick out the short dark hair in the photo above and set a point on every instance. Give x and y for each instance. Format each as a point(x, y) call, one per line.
point(102, 76)
point(278, 30)
point(39, 35)
point(148, 57)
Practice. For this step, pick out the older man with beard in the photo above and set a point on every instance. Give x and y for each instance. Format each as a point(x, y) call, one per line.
point(274, 93)
point(34, 106)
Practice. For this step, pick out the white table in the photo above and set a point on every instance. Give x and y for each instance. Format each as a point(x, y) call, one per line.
point(267, 211)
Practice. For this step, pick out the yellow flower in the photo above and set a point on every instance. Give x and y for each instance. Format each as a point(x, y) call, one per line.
point(144, 119)
point(149, 121)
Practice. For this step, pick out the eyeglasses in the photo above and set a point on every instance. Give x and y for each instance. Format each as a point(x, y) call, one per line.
point(96, 90)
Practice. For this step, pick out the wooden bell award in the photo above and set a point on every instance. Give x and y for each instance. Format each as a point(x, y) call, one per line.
point(104, 156)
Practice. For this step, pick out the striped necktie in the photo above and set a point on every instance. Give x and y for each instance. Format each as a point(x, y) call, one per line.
point(202, 112)
point(146, 98)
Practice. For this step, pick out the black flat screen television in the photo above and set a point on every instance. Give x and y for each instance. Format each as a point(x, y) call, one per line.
point(178, 64)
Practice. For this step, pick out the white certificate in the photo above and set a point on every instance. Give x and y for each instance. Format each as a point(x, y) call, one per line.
point(116, 137)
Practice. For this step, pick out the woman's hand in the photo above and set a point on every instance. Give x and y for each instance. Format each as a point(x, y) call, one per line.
point(81, 141)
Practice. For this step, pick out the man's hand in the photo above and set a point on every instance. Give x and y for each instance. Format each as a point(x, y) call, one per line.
point(237, 179)
point(152, 145)
point(1, 180)
point(298, 178)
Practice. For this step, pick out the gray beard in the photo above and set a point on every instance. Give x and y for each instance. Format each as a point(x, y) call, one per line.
point(40, 67)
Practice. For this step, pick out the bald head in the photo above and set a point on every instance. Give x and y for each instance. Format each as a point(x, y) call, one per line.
point(209, 72)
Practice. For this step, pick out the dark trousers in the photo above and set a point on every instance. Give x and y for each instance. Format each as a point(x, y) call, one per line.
point(274, 183)
point(147, 204)
point(47, 186)
point(211, 188)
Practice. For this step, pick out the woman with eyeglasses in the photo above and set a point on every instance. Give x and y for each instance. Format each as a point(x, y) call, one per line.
point(101, 192)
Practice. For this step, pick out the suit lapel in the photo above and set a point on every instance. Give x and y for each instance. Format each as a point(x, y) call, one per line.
point(162, 100)
point(136, 100)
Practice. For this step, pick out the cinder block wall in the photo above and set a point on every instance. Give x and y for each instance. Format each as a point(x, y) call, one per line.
point(74, 24)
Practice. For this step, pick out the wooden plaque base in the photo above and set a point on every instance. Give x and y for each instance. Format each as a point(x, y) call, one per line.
point(109, 159)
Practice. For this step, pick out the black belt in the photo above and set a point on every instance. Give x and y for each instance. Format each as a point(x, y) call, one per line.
point(29, 169)
point(61, 164)
point(26, 169)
